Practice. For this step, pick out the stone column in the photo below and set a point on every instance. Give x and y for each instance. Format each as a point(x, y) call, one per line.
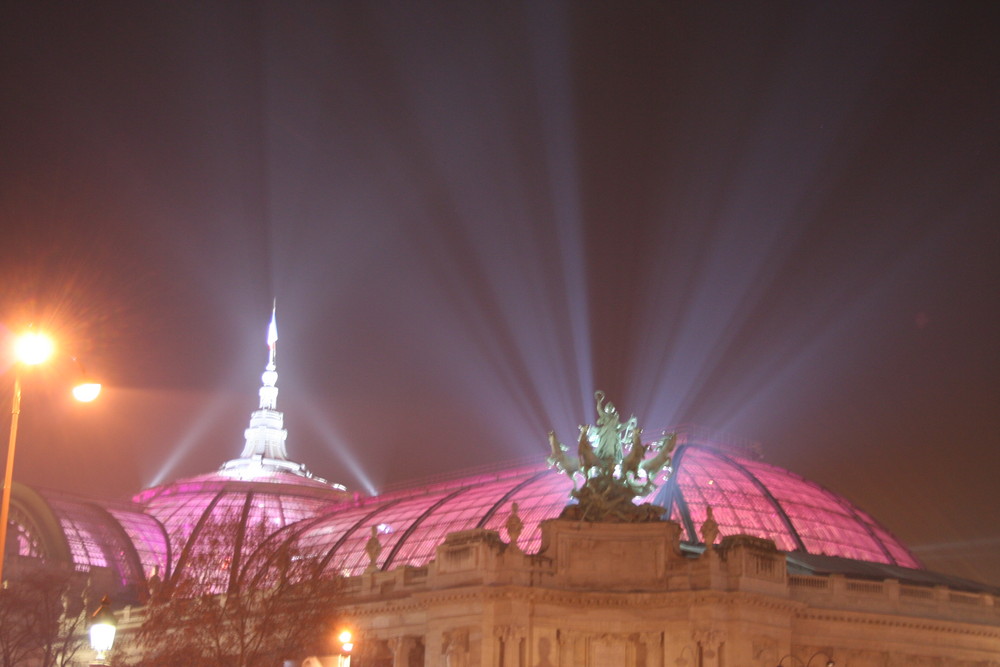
point(455, 648)
point(402, 649)
point(566, 644)
point(543, 647)
point(510, 645)
point(710, 642)
point(653, 641)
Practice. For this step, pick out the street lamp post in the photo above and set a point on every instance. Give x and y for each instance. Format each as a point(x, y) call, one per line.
point(8, 475)
point(103, 626)
point(30, 349)
point(346, 640)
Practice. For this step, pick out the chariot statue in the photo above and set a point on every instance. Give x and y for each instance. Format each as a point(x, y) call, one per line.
point(611, 468)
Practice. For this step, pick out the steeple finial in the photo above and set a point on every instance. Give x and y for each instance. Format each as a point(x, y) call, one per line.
point(272, 336)
point(269, 392)
point(264, 451)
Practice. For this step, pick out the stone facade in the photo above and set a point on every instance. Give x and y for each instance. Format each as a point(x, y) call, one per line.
point(623, 595)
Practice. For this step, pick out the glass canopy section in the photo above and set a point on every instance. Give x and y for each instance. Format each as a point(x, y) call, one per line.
point(129, 544)
point(754, 498)
point(178, 534)
point(747, 497)
point(210, 519)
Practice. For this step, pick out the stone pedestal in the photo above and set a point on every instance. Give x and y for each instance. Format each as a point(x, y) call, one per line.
point(612, 556)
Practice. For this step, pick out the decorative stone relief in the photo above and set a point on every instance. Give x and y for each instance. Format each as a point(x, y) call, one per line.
point(514, 526)
point(765, 651)
point(407, 651)
point(373, 548)
point(510, 640)
point(455, 648)
point(709, 529)
point(571, 647)
point(652, 642)
point(710, 640)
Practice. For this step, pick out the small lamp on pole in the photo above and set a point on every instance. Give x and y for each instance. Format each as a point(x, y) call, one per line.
point(346, 640)
point(103, 625)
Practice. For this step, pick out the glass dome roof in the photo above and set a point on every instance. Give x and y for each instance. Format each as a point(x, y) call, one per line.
point(747, 497)
point(87, 536)
point(208, 526)
point(192, 509)
point(178, 532)
point(755, 498)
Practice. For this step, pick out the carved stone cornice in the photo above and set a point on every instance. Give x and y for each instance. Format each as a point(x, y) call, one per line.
point(968, 628)
point(593, 600)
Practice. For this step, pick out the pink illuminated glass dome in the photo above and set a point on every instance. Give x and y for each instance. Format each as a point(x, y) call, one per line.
point(214, 519)
point(751, 497)
point(114, 544)
point(747, 497)
point(242, 501)
point(207, 528)
point(174, 529)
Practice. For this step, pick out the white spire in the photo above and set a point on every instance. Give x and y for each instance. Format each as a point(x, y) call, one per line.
point(269, 392)
point(272, 336)
point(264, 451)
point(266, 435)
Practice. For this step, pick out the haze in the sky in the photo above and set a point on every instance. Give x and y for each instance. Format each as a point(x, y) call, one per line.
point(776, 220)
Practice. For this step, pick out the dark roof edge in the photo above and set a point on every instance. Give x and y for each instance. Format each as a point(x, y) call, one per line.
point(811, 564)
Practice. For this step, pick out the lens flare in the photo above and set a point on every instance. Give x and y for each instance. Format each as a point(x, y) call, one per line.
point(34, 348)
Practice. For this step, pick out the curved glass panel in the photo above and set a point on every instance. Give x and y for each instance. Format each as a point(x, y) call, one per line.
point(738, 505)
point(461, 512)
point(542, 498)
point(24, 533)
point(95, 540)
point(149, 538)
point(747, 497)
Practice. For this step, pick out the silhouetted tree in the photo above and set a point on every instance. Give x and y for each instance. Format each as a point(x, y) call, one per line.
point(42, 619)
point(278, 606)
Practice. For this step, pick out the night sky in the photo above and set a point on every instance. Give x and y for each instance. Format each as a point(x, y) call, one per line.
point(779, 221)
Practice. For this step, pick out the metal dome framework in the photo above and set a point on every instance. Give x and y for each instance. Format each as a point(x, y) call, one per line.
point(747, 497)
point(85, 536)
point(172, 530)
point(263, 498)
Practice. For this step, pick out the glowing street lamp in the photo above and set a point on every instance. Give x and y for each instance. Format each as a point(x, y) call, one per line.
point(30, 349)
point(85, 392)
point(103, 626)
point(33, 348)
point(346, 639)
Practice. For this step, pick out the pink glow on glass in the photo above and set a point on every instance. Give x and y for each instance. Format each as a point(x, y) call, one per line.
point(747, 497)
point(149, 538)
point(826, 523)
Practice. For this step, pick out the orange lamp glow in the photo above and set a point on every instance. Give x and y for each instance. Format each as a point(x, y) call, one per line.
point(33, 348)
point(87, 391)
